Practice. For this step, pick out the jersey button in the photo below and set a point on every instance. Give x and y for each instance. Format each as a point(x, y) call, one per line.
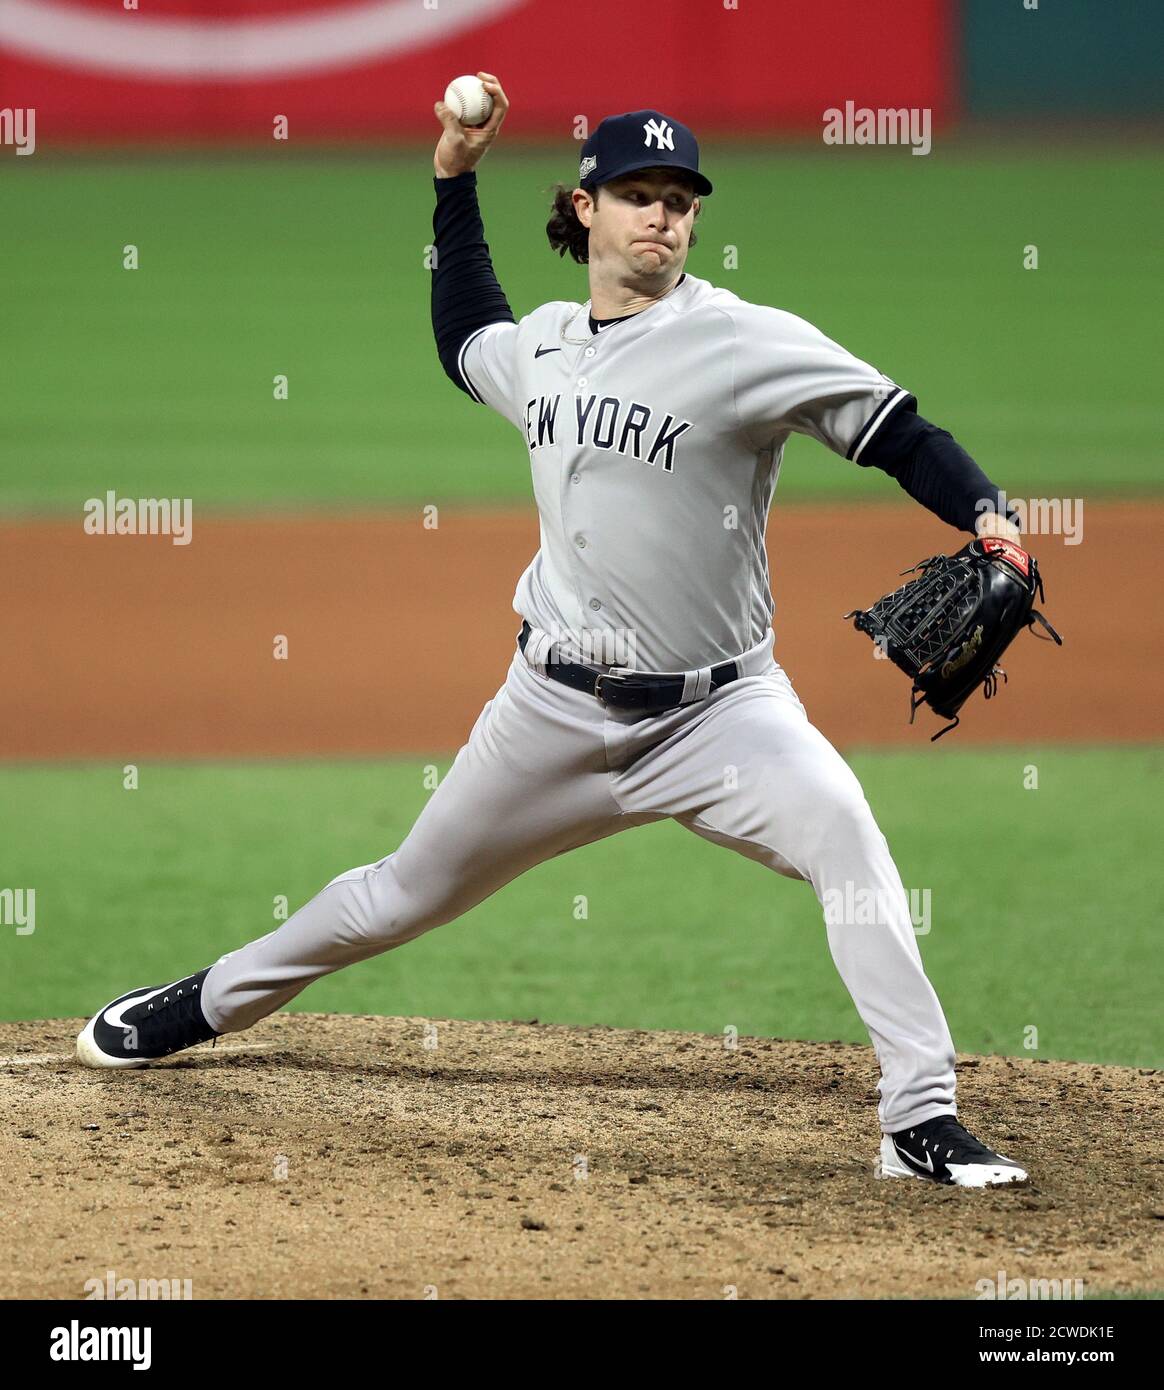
point(590, 352)
point(574, 478)
point(594, 603)
point(581, 381)
point(580, 542)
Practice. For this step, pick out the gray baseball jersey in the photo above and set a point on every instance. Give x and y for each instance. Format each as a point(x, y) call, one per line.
point(654, 458)
point(661, 437)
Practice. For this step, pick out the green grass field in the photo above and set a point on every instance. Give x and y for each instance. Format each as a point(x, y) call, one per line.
point(1044, 903)
point(159, 381)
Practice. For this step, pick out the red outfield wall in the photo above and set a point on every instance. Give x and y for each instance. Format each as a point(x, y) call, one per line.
point(371, 69)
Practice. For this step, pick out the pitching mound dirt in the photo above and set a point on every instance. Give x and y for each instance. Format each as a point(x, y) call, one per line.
point(320, 1156)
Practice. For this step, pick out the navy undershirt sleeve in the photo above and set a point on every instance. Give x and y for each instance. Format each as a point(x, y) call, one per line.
point(465, 294)
point(933, 468)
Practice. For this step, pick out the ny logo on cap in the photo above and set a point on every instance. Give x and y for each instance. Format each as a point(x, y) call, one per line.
point(588, 166)
point(661, 133)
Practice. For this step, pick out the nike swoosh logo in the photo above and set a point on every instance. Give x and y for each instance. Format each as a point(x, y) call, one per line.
point(541, 351)
point(927, 1166)
point(112, 1015)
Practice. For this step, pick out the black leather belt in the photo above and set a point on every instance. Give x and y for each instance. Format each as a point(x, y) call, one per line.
point(649, 694)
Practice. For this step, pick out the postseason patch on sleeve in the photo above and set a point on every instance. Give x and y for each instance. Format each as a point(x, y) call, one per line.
point(999, 548)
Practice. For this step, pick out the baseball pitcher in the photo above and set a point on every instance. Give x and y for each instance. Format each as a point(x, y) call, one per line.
point(643, 684)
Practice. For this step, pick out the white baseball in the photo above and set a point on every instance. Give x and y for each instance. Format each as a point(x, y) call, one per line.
point(468, 100)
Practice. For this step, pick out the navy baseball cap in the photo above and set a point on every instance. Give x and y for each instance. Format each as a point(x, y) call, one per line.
point(639, 140)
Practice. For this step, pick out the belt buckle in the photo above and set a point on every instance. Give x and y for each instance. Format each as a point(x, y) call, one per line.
point(602, 676)
point(637, 700)
point(617, 678)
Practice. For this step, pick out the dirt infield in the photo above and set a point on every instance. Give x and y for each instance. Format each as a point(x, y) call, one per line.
point(318, 1156)
point(131, 647)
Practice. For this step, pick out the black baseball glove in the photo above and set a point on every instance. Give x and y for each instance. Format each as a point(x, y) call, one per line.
point(947, 628)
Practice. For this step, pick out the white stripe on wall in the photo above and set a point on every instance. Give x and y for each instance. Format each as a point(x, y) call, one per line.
point(149, 47)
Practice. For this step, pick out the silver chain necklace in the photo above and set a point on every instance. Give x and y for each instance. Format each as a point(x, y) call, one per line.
point(577, 342)
point(585, 309)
